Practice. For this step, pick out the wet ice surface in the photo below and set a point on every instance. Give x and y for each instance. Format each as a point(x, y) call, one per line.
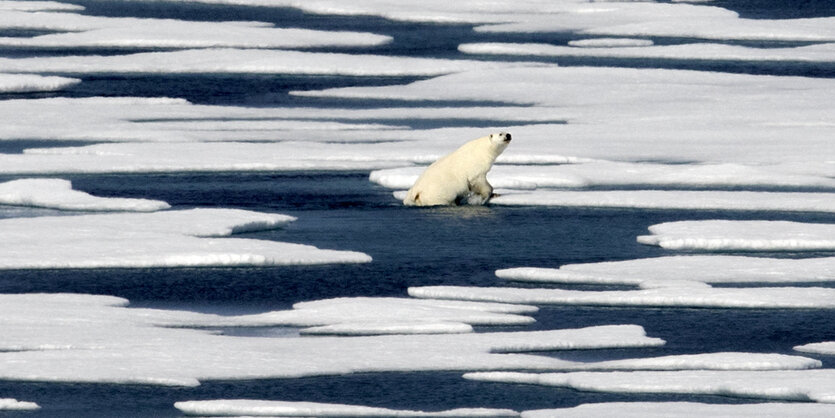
point(716, 154)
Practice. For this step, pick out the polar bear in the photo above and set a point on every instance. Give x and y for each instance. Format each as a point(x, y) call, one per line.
point(459, 176)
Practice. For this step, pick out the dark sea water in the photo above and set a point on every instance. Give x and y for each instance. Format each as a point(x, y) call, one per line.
point(410, 247)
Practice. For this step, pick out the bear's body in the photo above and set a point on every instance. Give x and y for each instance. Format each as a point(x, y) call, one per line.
point(459, 175)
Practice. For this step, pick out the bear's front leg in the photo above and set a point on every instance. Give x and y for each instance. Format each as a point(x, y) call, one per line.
point(481, 191)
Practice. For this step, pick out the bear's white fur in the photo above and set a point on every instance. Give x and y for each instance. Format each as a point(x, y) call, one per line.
point(460, 175)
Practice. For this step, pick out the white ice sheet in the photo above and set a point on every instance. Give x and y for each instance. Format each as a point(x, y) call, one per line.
point(719, 235)
point(675, 200)
point(679, 294)
point(790, 385)
point(249, 407)
point(672, 269)
point(370, 316)
point(85, 338)
point(241, 61)
point(28, 83)
point(822, 53)
point(9, 404)
point(83, 31)
point(196, 237)
point(687, 409)
point(58, 194)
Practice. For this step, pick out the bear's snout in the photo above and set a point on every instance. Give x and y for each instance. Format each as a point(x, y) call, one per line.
point(507, 137)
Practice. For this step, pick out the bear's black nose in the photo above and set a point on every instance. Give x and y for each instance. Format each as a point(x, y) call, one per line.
point(507, 137)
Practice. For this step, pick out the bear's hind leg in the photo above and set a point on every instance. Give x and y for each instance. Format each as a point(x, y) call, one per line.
point(480, 191)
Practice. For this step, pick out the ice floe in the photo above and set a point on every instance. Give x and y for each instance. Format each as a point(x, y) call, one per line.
point(249, 407)
point(822, 53)
point(86, 338)
point(621, 114)
point(673, 269)
point(115, 119)
point(794, 385)
point(367, 316)
point(676, 199)
point(35, 6)
point(678, 294)
point(9, 404)
point(58, 194)
point(827, 348)
point(241, 61)
point(609, 42)
point(27, 83)
point(589, 173)
point(195, 237)
point(189, 157)
point(687, 409)
point(83, 31)
point(649, 19)
point(722, 235)
point(608, 18)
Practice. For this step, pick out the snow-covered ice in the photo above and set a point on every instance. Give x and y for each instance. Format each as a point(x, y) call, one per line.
point(687, 410)
point(249, 407)
point(86, 338)
point(9, 404)
point(240, 61)
point(722, 235)
point(820, 53)
point(35, 6)
point(609, 18)
point(83, 31)
point(672, 269)
point(365, 316)
point(27, 83)
point(195, 237)
point(791, 385)
point(827, 348)
point(707, 361)
point(639, 115)
point(133, 119)
point(676, 199)
point(59, 194)
point(580, 173)
point(677, 294)
point(609, 42)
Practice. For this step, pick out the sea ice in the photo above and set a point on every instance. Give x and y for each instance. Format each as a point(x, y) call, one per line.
point(58, 194)
point(687, 410)
point(82, 31)
point(608, 18)
point(193, 237)
point(791, 385)
point(36, 6)
point(640, 115)
point(241, 61)
point(8, 404)
point(673, 269)
point(589, 173)
point(822, 53)
point(721, 235)
point(115, 119)
point(677, 294)
point(249, 407)
point(27, 83)
point(201, 157)
point(87, 338)
point(675, 199)
point(827, 348)
point(609, 42)
point(368, 316)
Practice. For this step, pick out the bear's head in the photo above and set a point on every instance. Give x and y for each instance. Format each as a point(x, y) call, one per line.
point(500, 141)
